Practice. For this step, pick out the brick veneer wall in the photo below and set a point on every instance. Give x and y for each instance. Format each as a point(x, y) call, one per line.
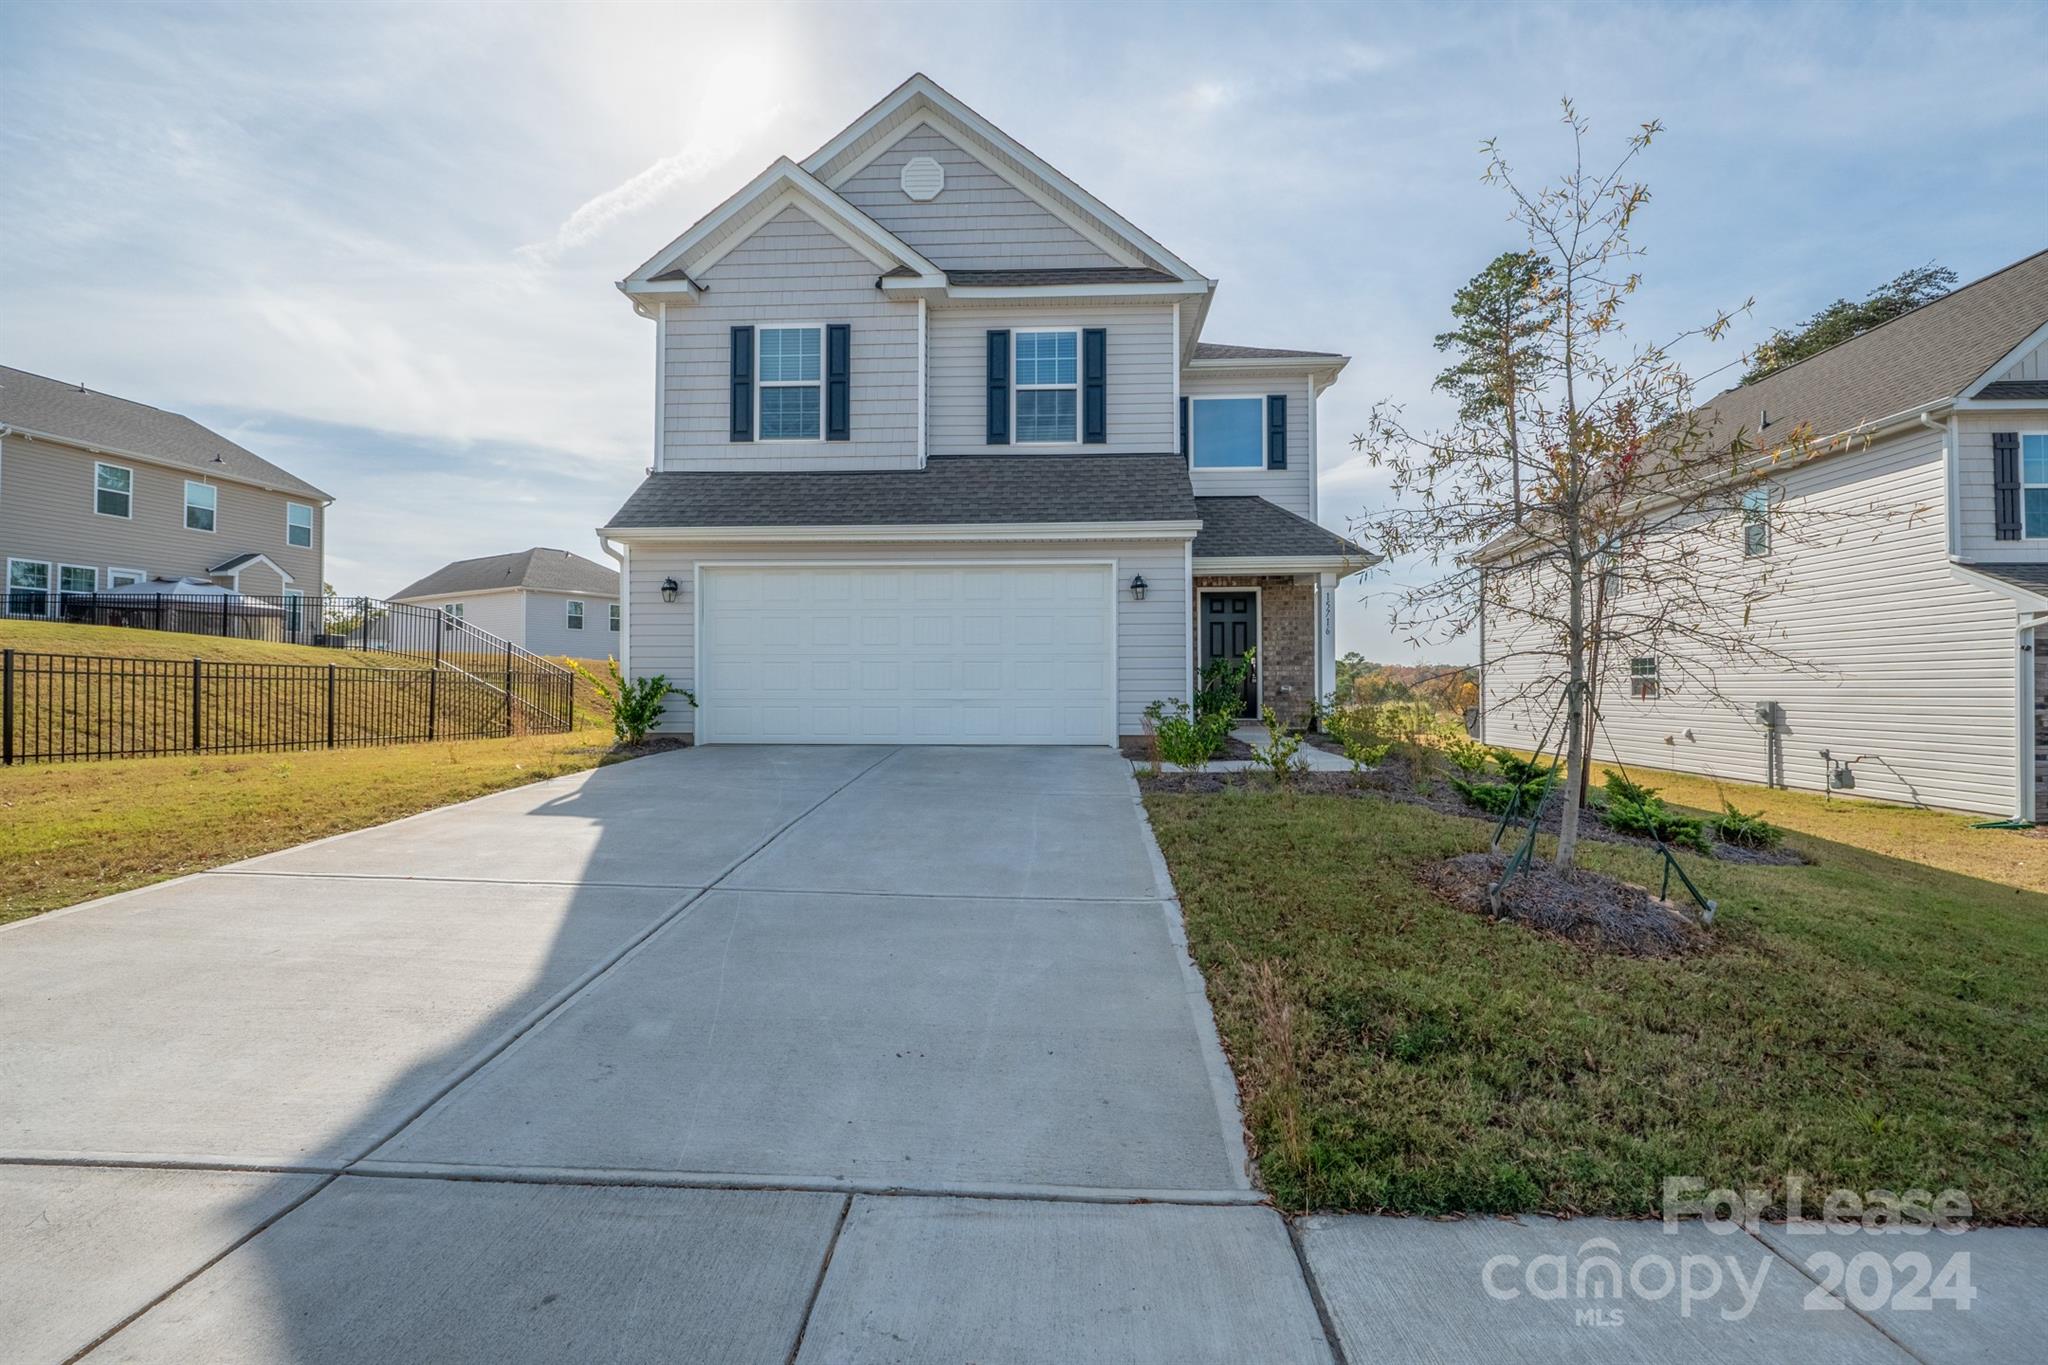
point(1287, 640)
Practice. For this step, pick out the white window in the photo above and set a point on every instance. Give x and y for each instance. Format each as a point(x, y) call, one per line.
point(614, 615)
point(113, 490)
point(1227, 433)
point(575, 616)
point(298, 524)
point(790, 366)
point(1048, 370)
point(28, 588)
point(453, 611)
point(77, 579)
point(201, 501)
point(1756, 521)
point(1643, 683)
point(2034, 483)
point(125, 578)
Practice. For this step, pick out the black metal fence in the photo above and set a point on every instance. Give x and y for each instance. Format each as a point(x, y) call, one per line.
point(393, 629)
point(57, 707)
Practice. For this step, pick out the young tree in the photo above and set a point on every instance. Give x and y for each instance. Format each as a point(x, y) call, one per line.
point(1592, 510)
point(1500, 314)
point(1842, 320)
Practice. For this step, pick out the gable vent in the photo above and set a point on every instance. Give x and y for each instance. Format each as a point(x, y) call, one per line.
point(923, 178)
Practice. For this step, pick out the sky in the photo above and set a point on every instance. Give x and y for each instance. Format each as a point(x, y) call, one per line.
point(377, 245)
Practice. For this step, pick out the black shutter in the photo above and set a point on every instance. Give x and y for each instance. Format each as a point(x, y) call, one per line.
point(741, 426)
point(838, 392)
point(1183, 428)
point(999, 388)
point(1276, 431)
point(2005, 482)
point(1094, 386)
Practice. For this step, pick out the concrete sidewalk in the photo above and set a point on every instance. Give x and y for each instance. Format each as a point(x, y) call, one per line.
point(738, 1054)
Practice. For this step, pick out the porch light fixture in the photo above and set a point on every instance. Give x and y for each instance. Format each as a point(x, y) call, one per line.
point(669, 589)
point(1138, 587)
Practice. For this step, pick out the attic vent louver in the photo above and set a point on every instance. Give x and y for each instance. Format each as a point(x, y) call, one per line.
point(923, 178)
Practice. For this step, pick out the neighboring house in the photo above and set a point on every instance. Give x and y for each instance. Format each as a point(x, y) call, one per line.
point(100, 494)
point(942, 457)
point(545, 601)
point(1913, 603)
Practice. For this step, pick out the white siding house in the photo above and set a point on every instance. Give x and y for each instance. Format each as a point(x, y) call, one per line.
point(546, 601)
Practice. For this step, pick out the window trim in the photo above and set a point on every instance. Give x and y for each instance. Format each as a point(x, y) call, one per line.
point(1756, 518)
point(61, 589)
point(289, 508)
point(452, 610)
point(1018, 388)
point(2024, 485)
point(574, 614)
point(48, 590)
point(97, 466)
point(1194, 447)
point(214, 489)
point(762, 385)
point(612, 618)
point(1645, 685)
point(141, 576)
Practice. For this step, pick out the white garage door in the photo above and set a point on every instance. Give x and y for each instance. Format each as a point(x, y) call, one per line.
point(909, 654)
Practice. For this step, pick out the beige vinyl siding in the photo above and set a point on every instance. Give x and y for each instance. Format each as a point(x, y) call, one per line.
point(1140, 360)
point(978, 221)
point(1976, 486)
point(500, 613)
point(791, 270)
point(46, 513)
point(2032, 365)
point(1151, 636)
point(1289, 487)
point(1909, 664)
point(547, 626)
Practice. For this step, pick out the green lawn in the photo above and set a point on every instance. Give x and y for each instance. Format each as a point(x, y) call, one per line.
point(1865, 1022)
point(57, 637)
point(69, 832)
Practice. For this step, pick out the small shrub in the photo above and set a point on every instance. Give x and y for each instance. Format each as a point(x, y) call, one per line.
point(1619, 786)
point(1652, 819)
point(1357, 730)
point(1184, 738)
point(1467, 755)
point(1281, 753)
point(1746, 830)
point(635, 707)
point(1222, 689)
point(1505, 798)
point(1520, 772)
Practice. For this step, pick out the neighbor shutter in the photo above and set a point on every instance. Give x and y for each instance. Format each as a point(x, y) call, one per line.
point(1276, 431)
point(999, 388)
point(1183, 428)
point(2005, 483)
point(1094, 386)
point(741, 425)
point(838, 389)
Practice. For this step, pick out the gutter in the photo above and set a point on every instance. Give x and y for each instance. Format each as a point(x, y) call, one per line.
point(940, 531)
point(158, 461)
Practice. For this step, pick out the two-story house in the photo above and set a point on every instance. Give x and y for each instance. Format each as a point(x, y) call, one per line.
point(1905, 613)
point(543, 600)
point(100, 495)
point(943, 457)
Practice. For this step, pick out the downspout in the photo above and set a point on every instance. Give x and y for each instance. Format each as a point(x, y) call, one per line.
point(624, 559)
point(1950, 480)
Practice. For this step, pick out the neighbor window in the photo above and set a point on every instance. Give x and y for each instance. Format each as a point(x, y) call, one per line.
point(124, 578)
point(614, 615)
point(298, 524)
point(113, 490)
point(453, 611)
point(1048, 385)
point(1227, 433)
point(201, 500)
point(791, 383)
point(77, 579)
point(28, 588)
point(293, 600)
point(2034, 477)
point(1643, 683)
point(575, 616)
point(1756, 521)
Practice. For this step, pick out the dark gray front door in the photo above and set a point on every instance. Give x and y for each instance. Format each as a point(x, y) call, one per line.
point(1230, 626)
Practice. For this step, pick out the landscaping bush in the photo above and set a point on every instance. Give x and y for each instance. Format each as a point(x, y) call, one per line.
point(634, 707)
point(1281, 753)
point(1466, 754)
point(1356, 728)
point(1746, 830)
point(1186, 738)
point(1222, 690)
point(1632, 808)
point(1507, 797)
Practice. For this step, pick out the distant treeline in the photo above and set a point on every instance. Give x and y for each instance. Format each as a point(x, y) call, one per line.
point(1447, 687)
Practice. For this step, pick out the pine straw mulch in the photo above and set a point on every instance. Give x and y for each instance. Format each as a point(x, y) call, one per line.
point(1581, 906)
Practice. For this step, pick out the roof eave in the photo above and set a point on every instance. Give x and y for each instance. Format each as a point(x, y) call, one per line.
point(1341, 565)
point(932, 531)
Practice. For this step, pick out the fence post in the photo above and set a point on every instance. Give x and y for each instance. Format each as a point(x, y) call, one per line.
point(6, 707)
point(363, 612)
point(198, 735)
point(330, 706)
point(508, 689)
point(433, 689)
point(440, 619)
point(159, 611)
point(224, 616)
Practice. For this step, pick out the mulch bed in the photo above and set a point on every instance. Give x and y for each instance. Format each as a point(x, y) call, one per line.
point(1138, 748)
point(1581, 906)
point(653, 744)
point(1396, 781)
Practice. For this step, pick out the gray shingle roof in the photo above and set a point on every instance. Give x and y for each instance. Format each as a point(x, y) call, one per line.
point(2032, 577)
point(952, 489)
point(536, 570)
point(1926, 356)
point(35, 403)
point(1251, 527)
point(2015, 388)
point(1216, 350)
point(1088, 274)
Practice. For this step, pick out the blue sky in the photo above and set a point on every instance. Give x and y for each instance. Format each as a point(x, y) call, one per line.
point(377, 244)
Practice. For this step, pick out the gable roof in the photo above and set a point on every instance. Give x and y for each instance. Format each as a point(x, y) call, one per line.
point(1216, 350)
point(1923, 358)
point(536, 570)
point(40, 406)
point(1246, 526)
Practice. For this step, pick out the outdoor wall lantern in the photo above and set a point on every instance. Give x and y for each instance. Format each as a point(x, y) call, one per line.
point(1138, 588)
point(669, 589)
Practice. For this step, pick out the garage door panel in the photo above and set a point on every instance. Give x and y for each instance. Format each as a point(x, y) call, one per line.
point(999, 654)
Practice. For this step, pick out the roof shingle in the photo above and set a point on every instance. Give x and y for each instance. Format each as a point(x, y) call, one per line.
point(1249, 527)
point(536, 570)
point(1216, 350)
point(1087, 274)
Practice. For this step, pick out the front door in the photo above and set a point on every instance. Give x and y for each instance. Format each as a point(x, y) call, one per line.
point(1230, 626)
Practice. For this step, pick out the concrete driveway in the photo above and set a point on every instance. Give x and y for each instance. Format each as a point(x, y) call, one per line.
point(884, 1052)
